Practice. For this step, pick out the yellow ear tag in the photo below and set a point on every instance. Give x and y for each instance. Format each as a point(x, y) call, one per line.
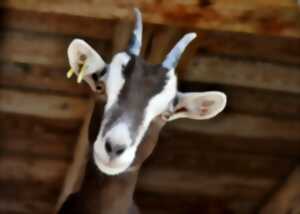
point(81, 73)
point(70, 73)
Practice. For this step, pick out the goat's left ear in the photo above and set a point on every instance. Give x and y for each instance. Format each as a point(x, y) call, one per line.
point(198, 106)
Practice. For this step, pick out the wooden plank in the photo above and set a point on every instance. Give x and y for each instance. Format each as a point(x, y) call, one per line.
point(244, 126)
point(173, 181)
point(121, 36)
point(42, 105)
point(195, 155)
point(26, 198)
point(230, 71)
point(243, 16)
point(28, 136)
point(286, 198)
point(159, 203)
point(249, 46)
point(162, 42)
point(57, 23)
point(39, 77)
point(40, 48)
point(42, 171)
point(180, 143)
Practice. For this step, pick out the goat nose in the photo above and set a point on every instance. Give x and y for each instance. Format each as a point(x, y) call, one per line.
point(114, 150)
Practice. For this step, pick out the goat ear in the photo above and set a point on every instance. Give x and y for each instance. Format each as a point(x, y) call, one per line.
point(198, 106)
point(84, 62)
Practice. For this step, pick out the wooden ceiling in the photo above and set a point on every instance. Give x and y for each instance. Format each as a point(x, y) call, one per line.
point(232, 164)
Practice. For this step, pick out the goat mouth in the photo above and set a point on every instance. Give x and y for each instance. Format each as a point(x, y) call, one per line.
point(109, 167)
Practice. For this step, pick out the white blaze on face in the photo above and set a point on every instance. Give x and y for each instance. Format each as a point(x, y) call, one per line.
point(115, 79)
point(119, 132)
point(158, 104)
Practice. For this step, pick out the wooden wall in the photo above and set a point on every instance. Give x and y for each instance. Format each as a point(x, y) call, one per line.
point(231, 164)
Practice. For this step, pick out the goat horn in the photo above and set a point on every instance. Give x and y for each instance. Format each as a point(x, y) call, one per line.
point(135, 43)
point(173, 57)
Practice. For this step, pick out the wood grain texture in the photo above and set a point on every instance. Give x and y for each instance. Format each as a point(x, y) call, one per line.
point(243, 126)
point(23, 135)
point(229, 71)
point(53, 23)
point(39, 78)
point(286, 198)
point(42, 105)
point(241, 16)
point(40, 48)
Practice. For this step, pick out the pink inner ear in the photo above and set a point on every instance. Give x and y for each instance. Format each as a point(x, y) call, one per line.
point(203, 110)
point(208, 103)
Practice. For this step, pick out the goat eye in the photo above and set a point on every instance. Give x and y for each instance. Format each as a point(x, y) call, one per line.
point(100, 87)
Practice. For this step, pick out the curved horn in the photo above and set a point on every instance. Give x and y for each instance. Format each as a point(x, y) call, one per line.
point(173, 57)
point(135, 42)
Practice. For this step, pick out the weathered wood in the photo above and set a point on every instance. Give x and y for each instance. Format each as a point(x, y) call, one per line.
point(242, 16)
point(260, 48)
point(56, 23)
point(27, 197)
point(40, 48)
point(42, 105)
point(243, 126)
point(198, 155)
point(286, 199)
point(177, 141)
point(21, 169)
point(122, 33)
point(244, 73)
point(186, 182)
point(38, 77)
point(162, 42)
point(158, 203)
point(28, 136)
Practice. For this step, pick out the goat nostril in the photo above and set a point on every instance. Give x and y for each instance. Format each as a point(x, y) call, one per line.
point(120, 151)
point(108, 147)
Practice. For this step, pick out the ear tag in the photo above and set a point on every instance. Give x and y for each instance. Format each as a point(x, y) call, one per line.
point(70, 73)
point(81, 73)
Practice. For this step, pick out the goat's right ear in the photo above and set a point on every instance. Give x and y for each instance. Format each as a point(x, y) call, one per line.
point(84, 62)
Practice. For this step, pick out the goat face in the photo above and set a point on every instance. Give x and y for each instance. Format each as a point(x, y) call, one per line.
point(137, 93)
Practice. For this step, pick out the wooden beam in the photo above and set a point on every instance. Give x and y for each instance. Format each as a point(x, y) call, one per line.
point(243, 126)
point(251, 74)
point(39, 78)
point(27, 136)
point(248, 46)
point(42, 105)
point(272, 18)
point(286, 199)
point(122, 34)
point(40, 48)
point(186, 182)
point(163, 40)
point(26, 198)
point(57, 23)
point(40, 170)
point(182, 141)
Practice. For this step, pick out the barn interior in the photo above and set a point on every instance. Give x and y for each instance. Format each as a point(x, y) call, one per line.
point(244, 161)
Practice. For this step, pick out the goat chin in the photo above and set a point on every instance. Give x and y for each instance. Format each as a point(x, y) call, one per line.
point(111, 169)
